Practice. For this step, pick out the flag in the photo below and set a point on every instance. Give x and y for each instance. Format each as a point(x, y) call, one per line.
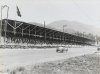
point(18, 12)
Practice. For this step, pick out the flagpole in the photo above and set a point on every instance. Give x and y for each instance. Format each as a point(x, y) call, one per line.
point(6, 20)
point(6, 23)
point(63, 32)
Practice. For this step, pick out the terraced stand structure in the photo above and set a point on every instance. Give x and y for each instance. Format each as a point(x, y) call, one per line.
point(20, 33)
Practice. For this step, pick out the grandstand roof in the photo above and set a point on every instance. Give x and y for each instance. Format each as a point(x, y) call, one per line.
point(37, 24)
point(71, 27)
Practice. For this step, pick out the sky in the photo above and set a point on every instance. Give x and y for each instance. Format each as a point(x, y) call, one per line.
point(83, 11)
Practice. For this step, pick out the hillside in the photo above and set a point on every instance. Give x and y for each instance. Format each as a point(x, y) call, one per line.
point(71, 26)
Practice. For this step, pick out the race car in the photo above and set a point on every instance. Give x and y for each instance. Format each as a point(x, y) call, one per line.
point(62, 49)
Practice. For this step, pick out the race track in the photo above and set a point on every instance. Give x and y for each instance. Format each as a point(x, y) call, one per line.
point(10, 58)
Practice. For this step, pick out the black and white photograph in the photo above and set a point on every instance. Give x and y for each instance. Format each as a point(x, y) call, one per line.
point(49, 36)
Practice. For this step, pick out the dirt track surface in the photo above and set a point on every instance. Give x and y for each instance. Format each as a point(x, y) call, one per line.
point(21, 57)
point(86, 64)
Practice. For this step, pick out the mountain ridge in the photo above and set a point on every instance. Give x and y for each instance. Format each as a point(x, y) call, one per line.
point(71, 26)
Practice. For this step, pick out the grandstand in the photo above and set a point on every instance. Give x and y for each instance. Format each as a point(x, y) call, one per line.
point(18, 32)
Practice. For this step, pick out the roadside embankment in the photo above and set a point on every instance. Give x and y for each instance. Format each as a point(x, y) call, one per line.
point(85, 64)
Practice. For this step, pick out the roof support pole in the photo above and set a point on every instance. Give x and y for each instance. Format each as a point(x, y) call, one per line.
point(45, 32)
point(1, 26)
point(29, 32)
